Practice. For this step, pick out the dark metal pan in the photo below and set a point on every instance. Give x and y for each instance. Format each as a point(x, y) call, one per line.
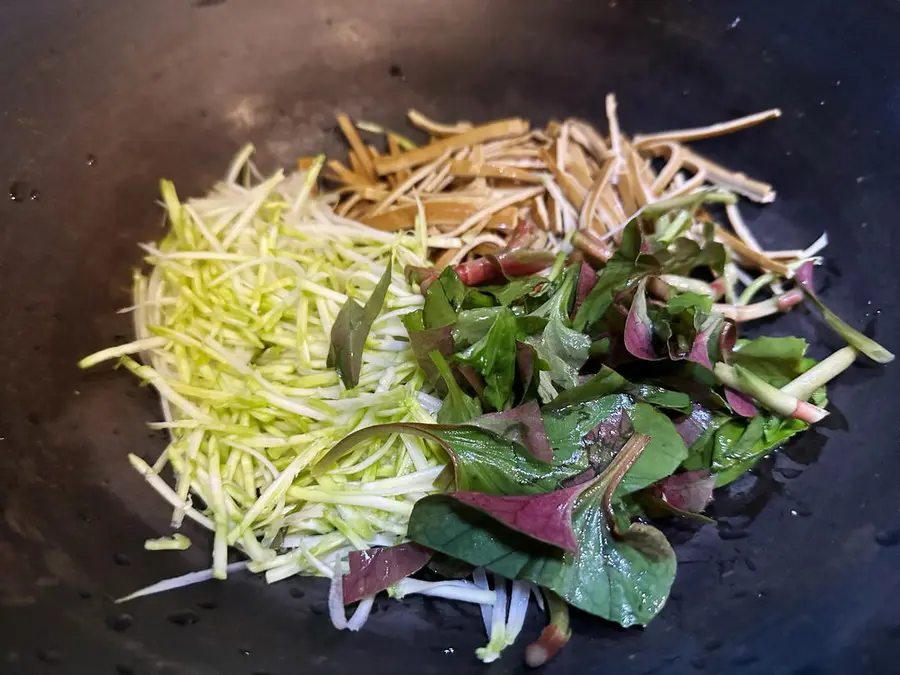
point(100, 99)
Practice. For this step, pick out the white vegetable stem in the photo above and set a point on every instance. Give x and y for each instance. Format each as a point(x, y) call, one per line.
point(820, 374)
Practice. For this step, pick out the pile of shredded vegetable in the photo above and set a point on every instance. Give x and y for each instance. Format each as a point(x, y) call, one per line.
point(478, 183)
point(234, 324)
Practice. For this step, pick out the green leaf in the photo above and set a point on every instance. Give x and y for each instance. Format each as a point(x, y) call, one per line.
point(624, 268)
point(739, 445)
point(458, 406)
point(564, 350)
point(685, 255)
point(443, 299)
point(777, 360)
point(424, 341)
point(557, 306)
point(350, 330)
point(612, 579)
point(567, 426)
point(853, 337)
point(682, 302)
point(488, 463)
point(607, 381)
point(515, 289)
point(494, 357)
point(662, 456)
point(483, 461)
point(474, 324)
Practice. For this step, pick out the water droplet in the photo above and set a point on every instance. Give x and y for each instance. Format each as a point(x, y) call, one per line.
point(184, 618)
point(734, 24)
point(396, 71)
point(296, 593)
point(48, 656)
point(119, 622)
point(91, 160)
point(449, 650)
point(888, 537)
point(35, 196)
point(244, 652)
point(17, 191)
point(121, 559)
point(317, 610)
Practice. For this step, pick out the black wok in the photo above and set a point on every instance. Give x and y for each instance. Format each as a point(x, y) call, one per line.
point(99, 99)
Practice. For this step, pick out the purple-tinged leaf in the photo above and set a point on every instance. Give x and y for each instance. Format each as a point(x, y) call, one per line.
point(587, 279)
point(638, 329)
point(523, 425)
point(688, 491)
point(424, 276)
point(713, 342)
point(803, 275)
point(426, 340)
point(694, 425)
point(546, 517)
point(351, 328)
point(521, 235)
point(741, 403)
point(376, 569)
point(482, 461)
point(527, 370)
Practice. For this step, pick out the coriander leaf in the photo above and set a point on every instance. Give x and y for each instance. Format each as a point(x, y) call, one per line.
point(372, 571)
point(494, 357)
point(457, 406)
point(350, 330)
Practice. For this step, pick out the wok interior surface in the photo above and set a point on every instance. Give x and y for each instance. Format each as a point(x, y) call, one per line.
point(99, 100)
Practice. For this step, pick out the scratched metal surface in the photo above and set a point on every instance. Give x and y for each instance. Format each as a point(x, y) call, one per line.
point(804, 580)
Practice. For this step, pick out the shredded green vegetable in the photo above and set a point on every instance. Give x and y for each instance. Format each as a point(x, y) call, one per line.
point(233, 328)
